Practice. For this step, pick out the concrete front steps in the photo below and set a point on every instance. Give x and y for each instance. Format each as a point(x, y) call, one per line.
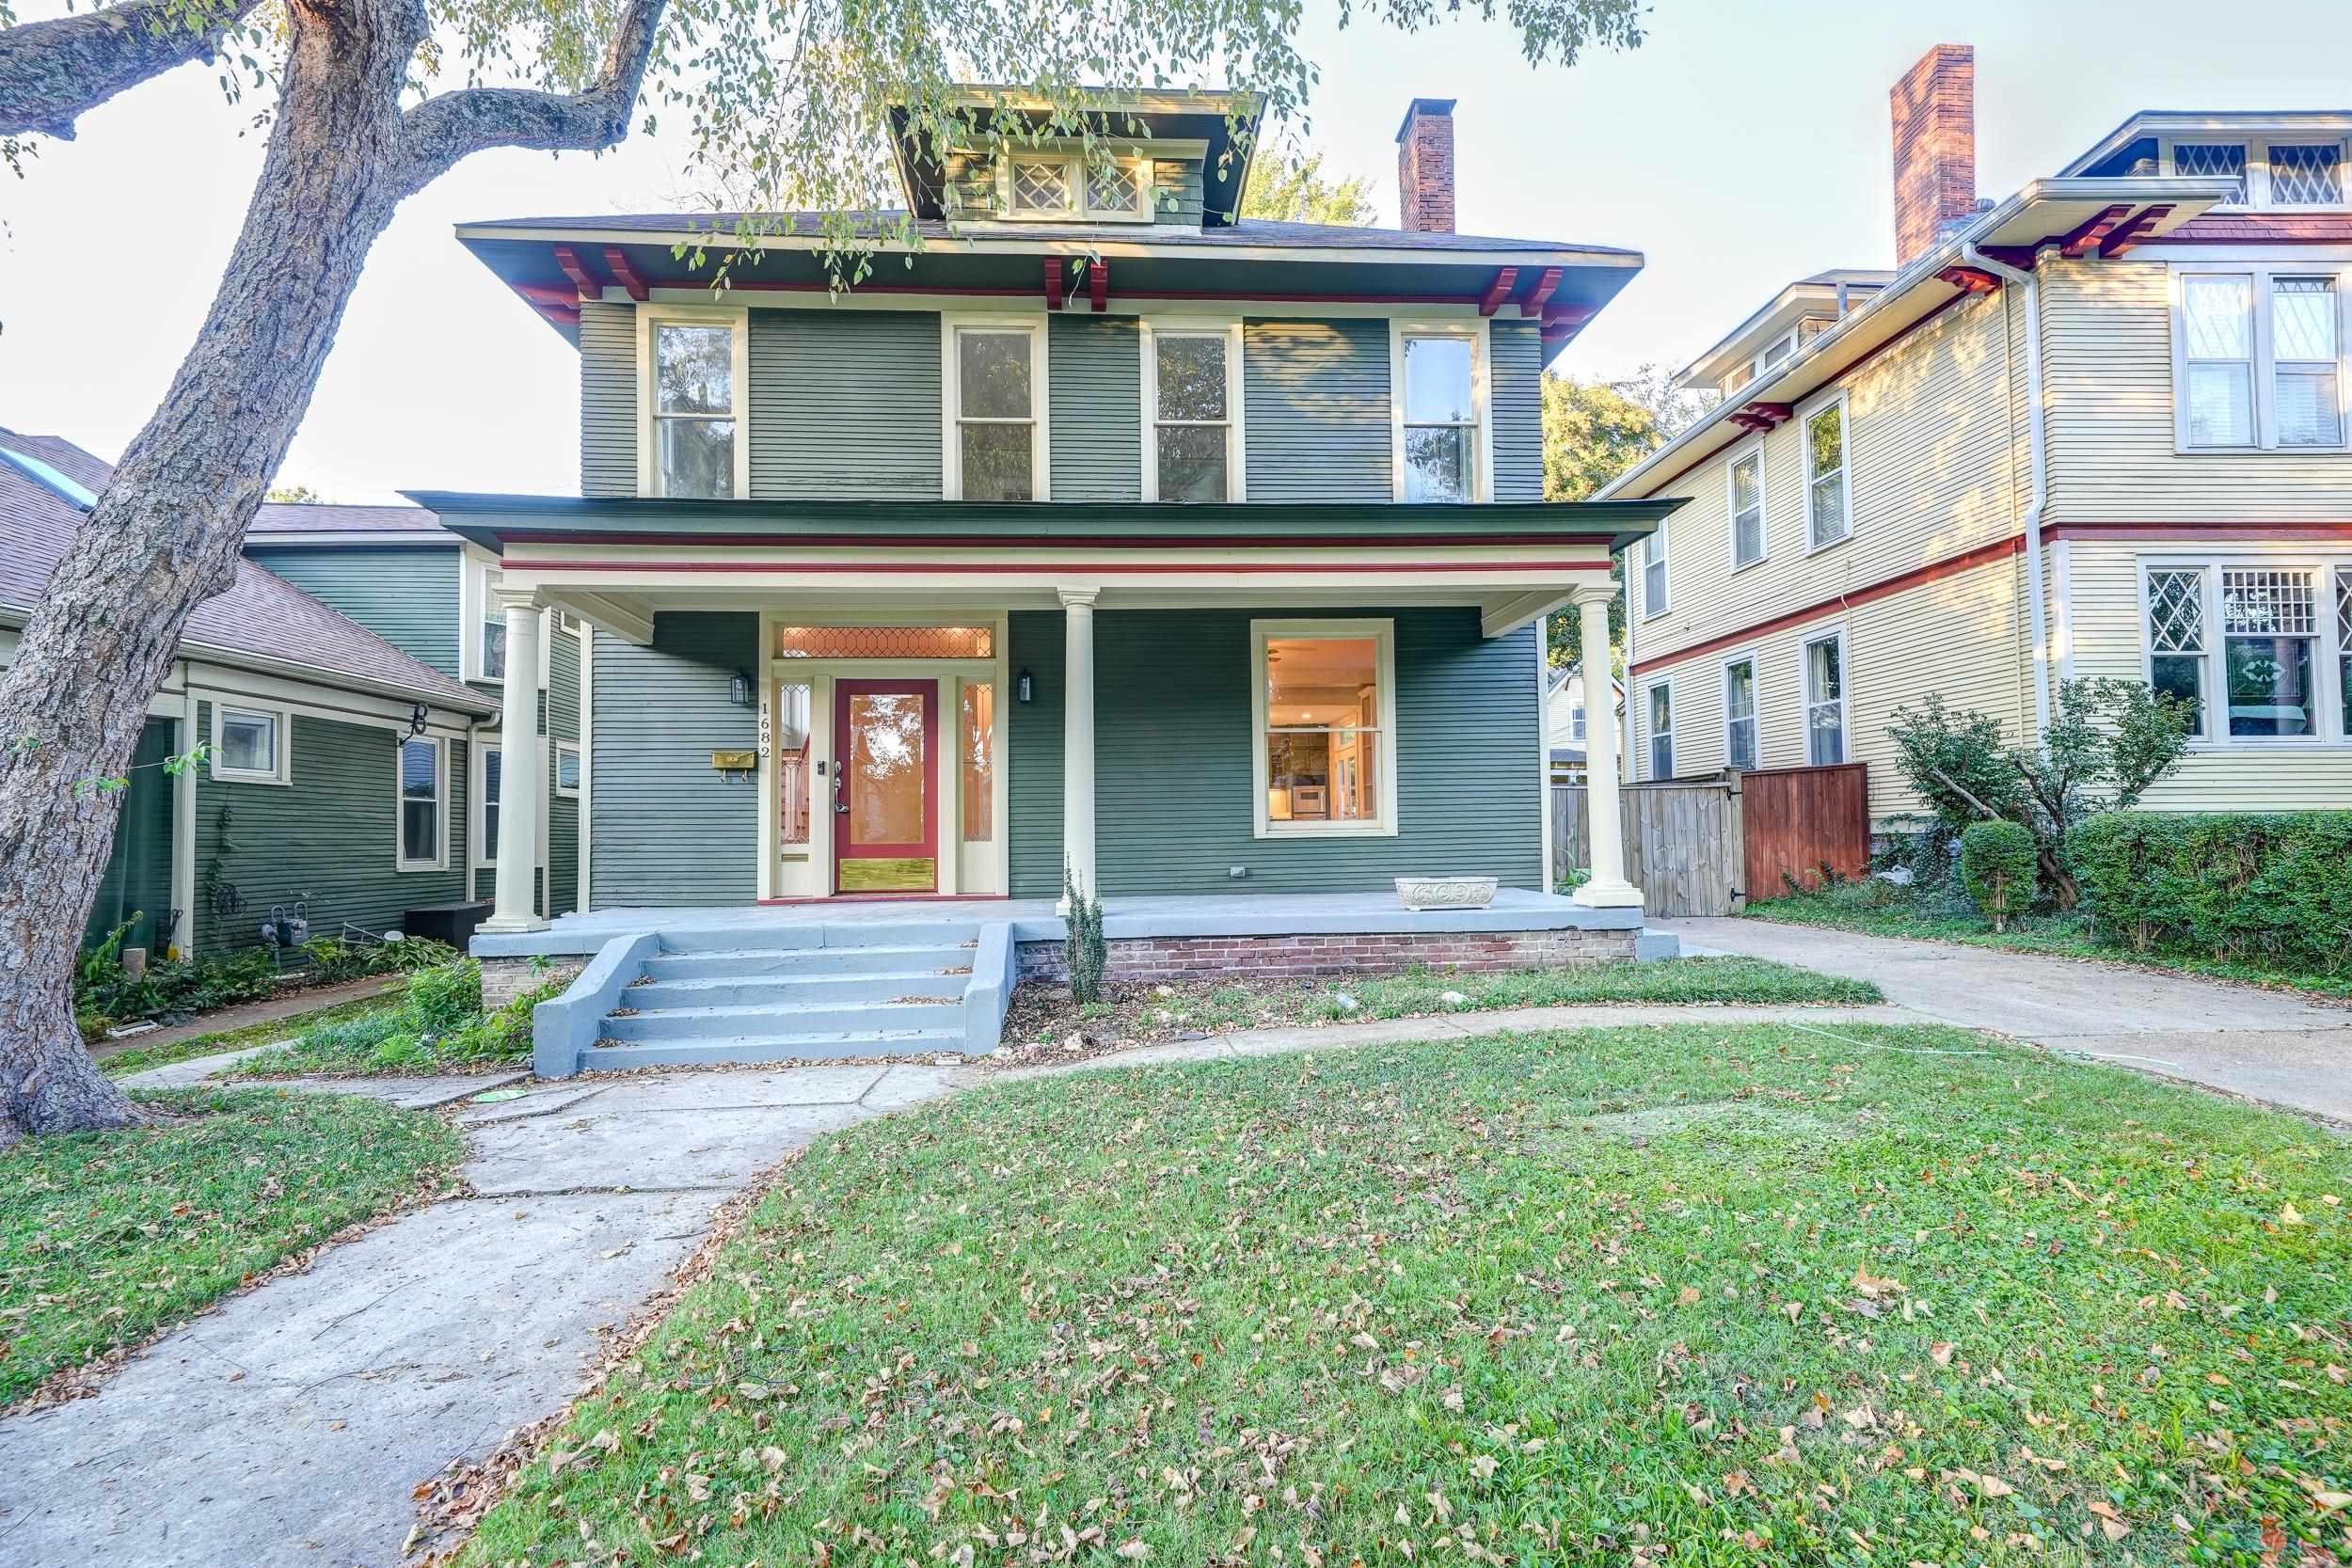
point(818, 992)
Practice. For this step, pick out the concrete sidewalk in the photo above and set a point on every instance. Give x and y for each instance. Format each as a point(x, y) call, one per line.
point(2270, 1046)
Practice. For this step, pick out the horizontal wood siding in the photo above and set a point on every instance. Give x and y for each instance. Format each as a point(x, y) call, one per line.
point(135, 887)
point(405, 593)
point(668, 827)
point(1316, 395)
point(1181, 191)
point(845, 403)
point(1172, 759)
point(331, 837)
point(1518, 411)
point(608, 400)
point(1096, 407)
point(563, 724)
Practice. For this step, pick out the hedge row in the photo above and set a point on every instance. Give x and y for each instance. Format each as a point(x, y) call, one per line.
point(2268, 889)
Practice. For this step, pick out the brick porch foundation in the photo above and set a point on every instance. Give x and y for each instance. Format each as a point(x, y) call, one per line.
point(1302, 956)
point(504, 979)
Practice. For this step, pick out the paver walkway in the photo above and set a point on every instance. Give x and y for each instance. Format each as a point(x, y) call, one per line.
point(2270, 1046)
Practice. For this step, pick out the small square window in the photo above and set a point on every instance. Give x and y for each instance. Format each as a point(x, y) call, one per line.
point(250, 745)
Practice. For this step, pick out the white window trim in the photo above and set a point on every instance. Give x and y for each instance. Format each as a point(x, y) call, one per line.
point(1475, 333)
point(1383, 633)
point(1750, 658)
point(650, 320)
point(1657, 540)
point(1806, 414)
point(439, 860)
point(2327, 655)
point(571, 793)
point(2257, 146)
point(477, 604)
point(1805, 703)
point(951, 400)
point(282, 719)
point(1150, 332)
point(1081, 210)
point(1650, 732)
point(2263, 364)
point(1746, 450)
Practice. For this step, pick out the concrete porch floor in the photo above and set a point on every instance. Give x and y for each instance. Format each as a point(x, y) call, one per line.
point(1033, 920)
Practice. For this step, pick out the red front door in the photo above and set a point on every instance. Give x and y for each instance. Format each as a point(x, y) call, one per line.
point(886, 811)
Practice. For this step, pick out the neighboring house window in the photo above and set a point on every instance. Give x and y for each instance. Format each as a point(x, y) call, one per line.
point(1828, 497)
point(1661, 731)
point(423, 804)
point(2213, 160)
point(1740, 714)
point(697, 408)
point(1825, 700)
point(1653, 572)
point(1324, 700)
point(2269, 651)
point(2259, 361)
point(1576, 721)
point(252, 745)
point(485, 849)
point(995, 392)
point(1191, 395)
point(1747, 510)
point(566, 769)
point(1440, 435)
point(2176, 639)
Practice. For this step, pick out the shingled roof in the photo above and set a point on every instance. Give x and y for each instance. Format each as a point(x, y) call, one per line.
point(262, 621)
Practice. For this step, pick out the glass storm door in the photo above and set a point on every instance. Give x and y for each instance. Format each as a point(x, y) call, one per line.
point(886, 811)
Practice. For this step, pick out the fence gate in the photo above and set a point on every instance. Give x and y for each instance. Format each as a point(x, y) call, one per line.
point(1681, 843)
point(1799, 819)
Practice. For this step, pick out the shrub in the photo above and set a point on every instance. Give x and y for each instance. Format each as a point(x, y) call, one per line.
point(329, 959)
point(2268, 889)
point(1089, 955)
point(443, 998)
point(1996, 861)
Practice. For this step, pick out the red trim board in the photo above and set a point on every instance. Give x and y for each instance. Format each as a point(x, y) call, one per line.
point(1138, 541)
point(1968, 561)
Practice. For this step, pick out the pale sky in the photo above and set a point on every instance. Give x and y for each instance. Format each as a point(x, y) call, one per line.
point(1739, 147)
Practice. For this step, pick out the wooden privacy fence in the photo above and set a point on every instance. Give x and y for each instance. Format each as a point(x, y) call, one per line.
point(1703, 846)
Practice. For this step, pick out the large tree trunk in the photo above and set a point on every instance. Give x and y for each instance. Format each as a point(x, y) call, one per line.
point(165, 533)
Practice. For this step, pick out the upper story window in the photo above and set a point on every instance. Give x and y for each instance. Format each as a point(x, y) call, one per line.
point(1191, 396)
point(995, 410)
point(1061, 184)
point(1439, 399)
point(1654, 602)
point(696, 447)
point(1747, 509)
point(1576, 721)
point(1829, 498)
point(2258, 360)
point(1738, 376)
point(2283, 170)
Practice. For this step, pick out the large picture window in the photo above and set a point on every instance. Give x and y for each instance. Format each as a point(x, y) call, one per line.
point(1439, 397)
point(1325, 701)
point(424, 795)
point(1825, 700)
point(996, 411)
point(2259, 361)
point(2262, 652)
point(1190, 392)
point(697, 412)
point(2270, 651)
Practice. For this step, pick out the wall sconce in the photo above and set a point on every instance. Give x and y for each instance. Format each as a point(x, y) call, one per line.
point(1024, 687)
point(739, 689)
point(415, 720)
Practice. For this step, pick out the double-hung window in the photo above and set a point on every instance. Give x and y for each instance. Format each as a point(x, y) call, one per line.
point(1740, 714)
point(252, 745)
point(2342, 575)
point(1825, 700)
point(996, 388)
point(1191, 394)
point(423, 797)
point(1442, 392)
point(696, 444)
point(1661, 731)
point(1325, 702)
point(2259, 361)
point(492, 772)
point(1576, 721)
point(2259, 652)
point(2270, 651)
point(1654, 600)
point(1747, 509)
point(1829, 497)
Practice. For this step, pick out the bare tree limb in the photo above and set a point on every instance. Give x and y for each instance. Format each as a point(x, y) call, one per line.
point(52, 73)
point(440, 130)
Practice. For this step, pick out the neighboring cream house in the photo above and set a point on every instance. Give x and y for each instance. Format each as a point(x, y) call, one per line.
point(2097, 428)
point(1566, 716)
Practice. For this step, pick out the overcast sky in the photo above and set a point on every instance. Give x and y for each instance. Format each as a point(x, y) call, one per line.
point(1741, 146)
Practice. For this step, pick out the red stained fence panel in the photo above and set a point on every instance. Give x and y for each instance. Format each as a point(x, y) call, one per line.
point(1799, 819)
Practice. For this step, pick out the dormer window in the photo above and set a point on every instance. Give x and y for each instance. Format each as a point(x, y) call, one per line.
point(2266, 170)
point(2306, 174)
point(1059, 185)
point(2213, 160)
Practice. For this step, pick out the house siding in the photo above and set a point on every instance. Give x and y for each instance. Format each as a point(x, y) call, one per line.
point(331, 837)
point(1518, 348)
point(1315, 395)
point(608, 400)
point(1096, 407)
point(845, 403)
point(1173, 786)
point(668, 829)
point(406, 593)
point(135, 886)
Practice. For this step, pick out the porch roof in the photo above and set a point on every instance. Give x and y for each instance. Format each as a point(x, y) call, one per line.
point(492, 522)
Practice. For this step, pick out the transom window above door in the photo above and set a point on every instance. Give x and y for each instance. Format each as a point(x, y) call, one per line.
point(976, 642)
point(996, 388)
point(1191, 391)
point(696, 443)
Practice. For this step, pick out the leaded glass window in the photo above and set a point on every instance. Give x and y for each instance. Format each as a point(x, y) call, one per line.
point(2269, 646)
point(2306, 174)
point(2212, 161)
point(2176, 639)
point(2344, 650)
point(1040, 185)
point(1117, 188)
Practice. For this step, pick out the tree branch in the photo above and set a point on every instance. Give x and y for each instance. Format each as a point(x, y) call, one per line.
point(442, 131)
point(52, 73)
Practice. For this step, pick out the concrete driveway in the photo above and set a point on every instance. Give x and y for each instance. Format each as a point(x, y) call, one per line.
point(2266, 1045)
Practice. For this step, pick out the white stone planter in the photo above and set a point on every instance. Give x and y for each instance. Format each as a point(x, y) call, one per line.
point(1445, 893)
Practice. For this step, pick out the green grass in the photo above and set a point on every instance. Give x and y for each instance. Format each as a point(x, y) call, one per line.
point(138, 1060)
point(1131, 1011)
point(1695, 1295)
point(1879, 908)
point(106, 1237)
point(385, 1042)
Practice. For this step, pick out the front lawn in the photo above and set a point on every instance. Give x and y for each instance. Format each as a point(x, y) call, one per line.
point(107, 1237)
point(1768, 1294)
point(1133, 1013)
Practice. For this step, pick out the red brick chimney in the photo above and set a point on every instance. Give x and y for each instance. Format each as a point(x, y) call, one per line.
point(1935, 113)
point(1425, 166)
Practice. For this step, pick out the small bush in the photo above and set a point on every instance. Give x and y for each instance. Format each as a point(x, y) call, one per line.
point(1996, 861)
point(443, 998)
point(1089, 955)
point(2268, 889)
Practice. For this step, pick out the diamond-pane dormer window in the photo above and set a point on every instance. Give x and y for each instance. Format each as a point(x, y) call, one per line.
point(1113, 189)
point(1040, 185)
point(2306, 174)
point(2212, 161)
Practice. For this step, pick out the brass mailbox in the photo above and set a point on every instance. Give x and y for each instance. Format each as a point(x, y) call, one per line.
point(736, 762)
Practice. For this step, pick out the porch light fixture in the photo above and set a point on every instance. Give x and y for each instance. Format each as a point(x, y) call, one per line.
point(739, 689)
point(415, 720)
point(1024, 687)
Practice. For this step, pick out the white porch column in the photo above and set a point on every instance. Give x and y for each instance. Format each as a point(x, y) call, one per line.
point(1608, 888)
point(1077, 739)
point(522, 778)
